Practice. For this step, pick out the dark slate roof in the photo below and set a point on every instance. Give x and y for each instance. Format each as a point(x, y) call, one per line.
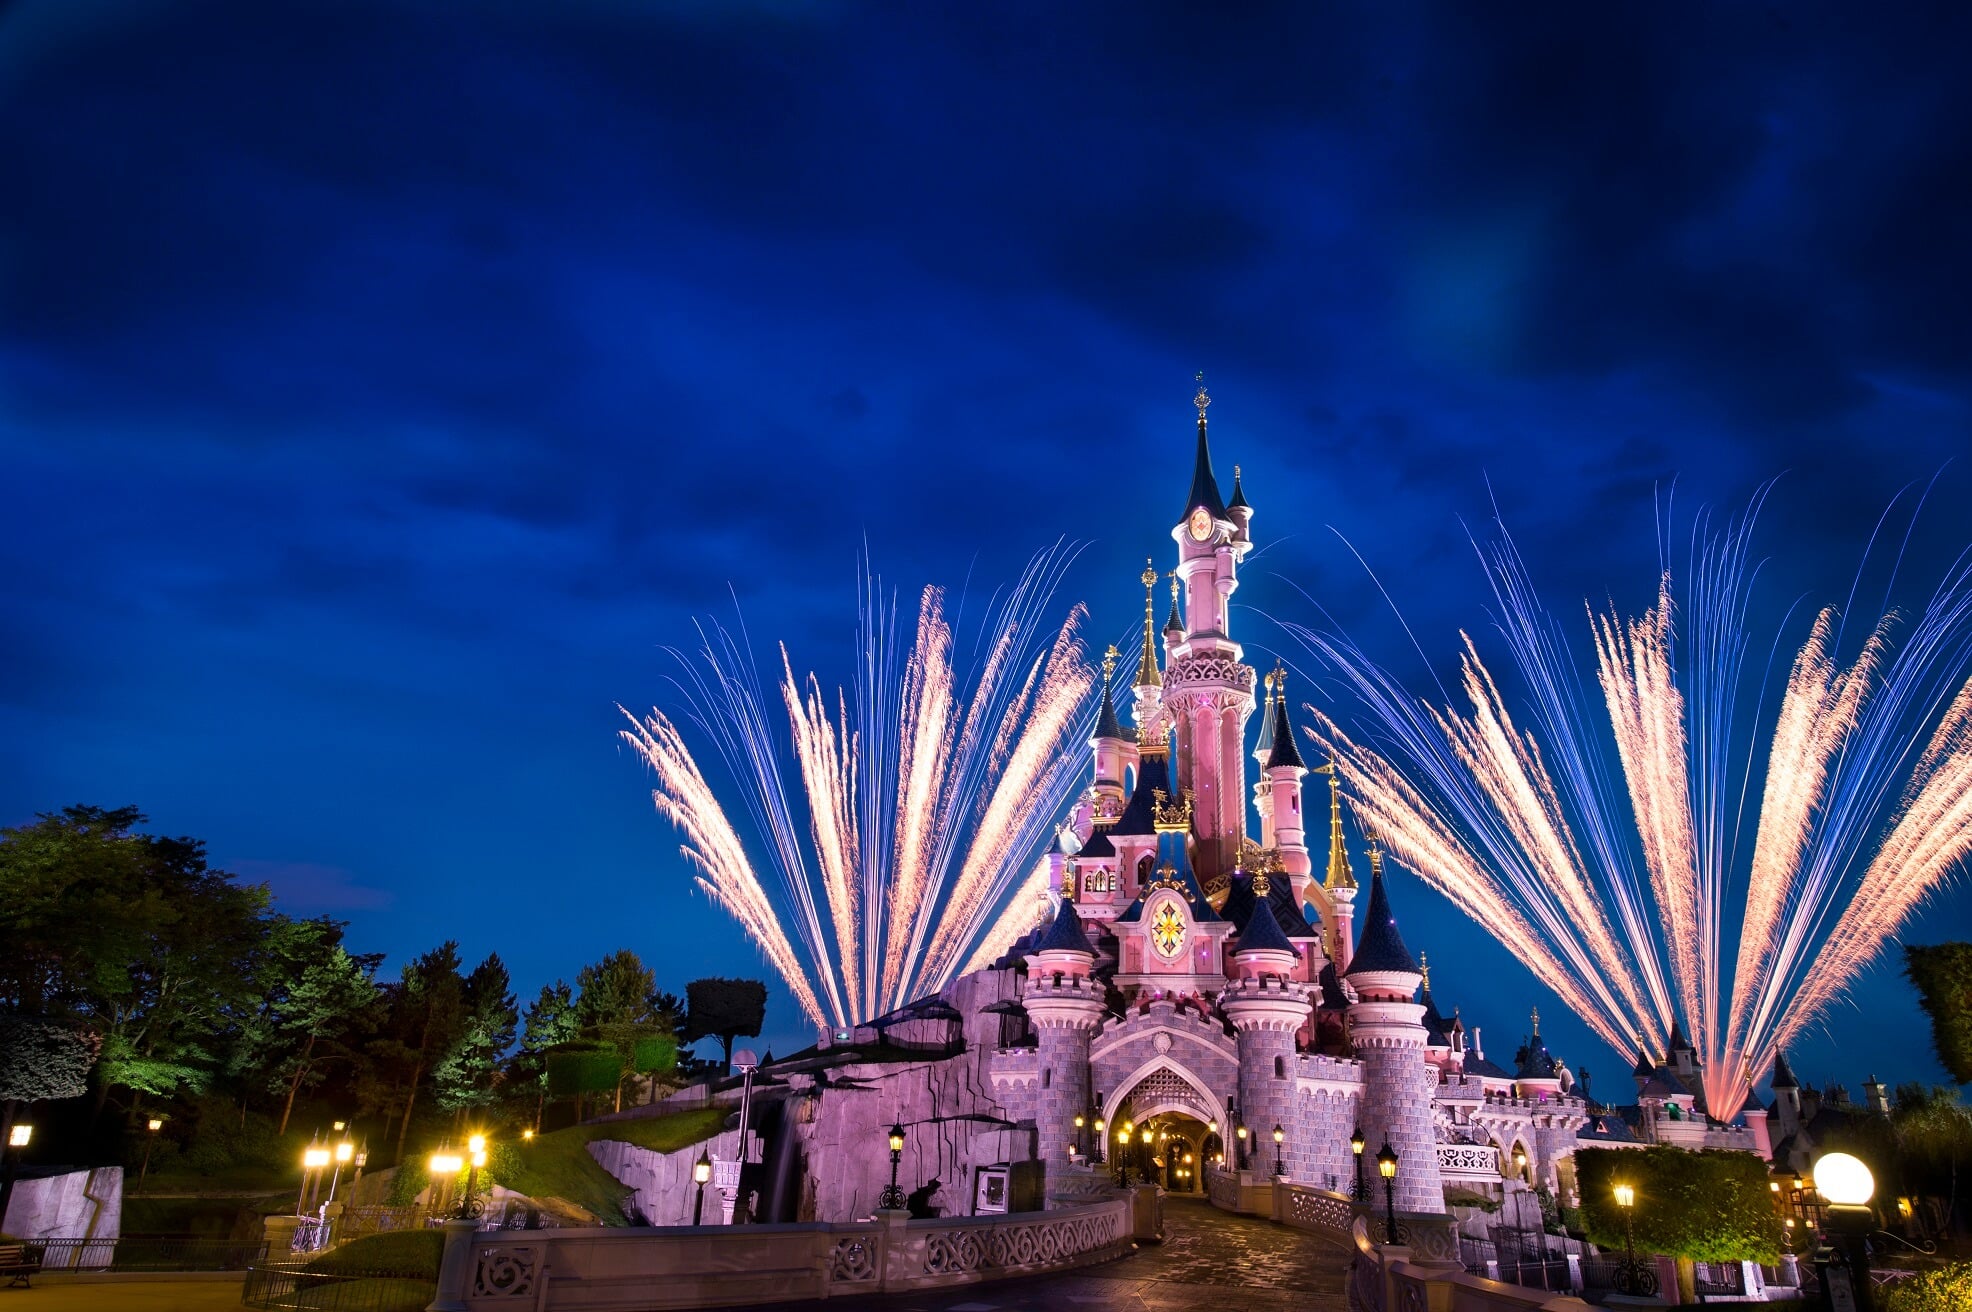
point(1174, 623)
point(1153, 775)
point(1608, 1129)
point(1664, 1083)
point(1332, 995)
point(1533, 1061)
point(1678, 1040)
point(1065, 934)
point(1492, 1070)
point(1643, 1066)
point(1435, 1023)
point(1382, 947)
point(1238, 501)
point(1783, 1078)
point(1238, 907)
point(1265, 747)
point(1098, 844)
point(1204, 487)
point(1171, 852)
point(1107, 725)
point(1132, 913)
point(1284, 751)
point(1262, 933)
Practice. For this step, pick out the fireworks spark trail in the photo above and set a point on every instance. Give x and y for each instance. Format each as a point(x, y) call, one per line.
point(925, 801)
point(1864, 802)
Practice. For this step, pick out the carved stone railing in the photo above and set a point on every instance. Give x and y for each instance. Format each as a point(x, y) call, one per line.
point(1320, 1210)
point(1222, 1189)
point(1469, 1160)
point(1416, 1276)
point(685, 1266)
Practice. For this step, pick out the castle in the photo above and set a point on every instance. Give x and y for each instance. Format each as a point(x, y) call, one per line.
point(1196, 985)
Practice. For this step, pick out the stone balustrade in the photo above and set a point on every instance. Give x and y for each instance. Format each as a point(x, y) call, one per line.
point(698, 1266)
point(1395, 1278)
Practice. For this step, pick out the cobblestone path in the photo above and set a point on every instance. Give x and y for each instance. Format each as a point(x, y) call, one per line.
point(1205, 1256)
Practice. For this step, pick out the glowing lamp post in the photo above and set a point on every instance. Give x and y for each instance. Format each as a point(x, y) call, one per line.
point(701, 1172)
point(345, 1152)
point(1280, 1137)
point(151, 1126)
point(892, 1198)
point(1386, 1163)
point(1356, 1145)
point(1100, 1138)
point(312, 1161)
point(1847, 1186)
point(1632, 1277)
point(1239, 1153)
point(19, 1135)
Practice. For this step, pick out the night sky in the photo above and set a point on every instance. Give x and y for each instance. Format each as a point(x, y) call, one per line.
point(383, 387)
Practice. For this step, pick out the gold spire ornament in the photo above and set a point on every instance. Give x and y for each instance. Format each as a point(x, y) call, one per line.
point(1170, 817)
point(1202, 399)
point(1339, 874)
point(1424, 969)
point(1109, 665)
point(1147, 675)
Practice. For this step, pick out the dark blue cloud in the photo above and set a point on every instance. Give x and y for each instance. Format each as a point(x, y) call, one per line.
point(381, 388)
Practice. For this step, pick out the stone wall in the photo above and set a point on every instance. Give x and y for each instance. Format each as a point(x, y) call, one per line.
point(72, 1205)
point(1326, 1107)
point(1124, 1050)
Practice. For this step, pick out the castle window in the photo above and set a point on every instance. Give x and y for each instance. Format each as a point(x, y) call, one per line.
point(1280, 1068)
point(1047, 1078)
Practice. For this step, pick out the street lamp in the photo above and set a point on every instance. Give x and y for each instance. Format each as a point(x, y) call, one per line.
point(18, 1138)
point(1122, 1143)
point(892, 1198)
point(344, 1152)
point(1386, 1162)
point(1520, 1163)
point(1631, 1277)
point(1239, 1154)
point(312, 1160)
point(746, 1063)
point(475, 1158)
point(1356, 1144)
point(1280, 1137)
point(1847, 1186)
point(701, 1172)
point(153, 1125)
point(1101, 1138)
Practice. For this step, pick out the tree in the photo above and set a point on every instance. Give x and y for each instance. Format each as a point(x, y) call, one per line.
point(1707, 1206)
point(550, 1021)
point(134, 935)
point(465, 1076)
point(725, 1009)
point(1933, 1128)
point(425, 1011)
point(617, 990)
point(1943, 976)
point(315, 995)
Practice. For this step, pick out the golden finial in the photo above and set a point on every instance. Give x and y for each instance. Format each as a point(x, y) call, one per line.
point(1424, 969)
point(1537, 1022)
point(1261, 884)
point(1201, 400)
point(1339, 874)
point(1170, 817)
point(1147, 676)
point(1109, 664)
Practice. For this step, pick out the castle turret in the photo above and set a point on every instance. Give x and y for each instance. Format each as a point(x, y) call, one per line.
point(1386, 1029)
point(1065, 1005)
point(1266, 1008)
point(1263, 787)
point(1238, 511)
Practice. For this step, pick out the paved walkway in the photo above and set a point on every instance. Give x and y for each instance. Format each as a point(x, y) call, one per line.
point(125, 1296)
point(1206, 1253)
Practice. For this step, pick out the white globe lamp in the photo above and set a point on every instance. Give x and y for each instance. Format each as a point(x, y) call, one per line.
point(1843, 1180)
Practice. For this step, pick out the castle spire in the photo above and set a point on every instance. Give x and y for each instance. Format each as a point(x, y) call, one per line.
point(1238, 501)
point(1424, 969)
point(1107, 725)
point(1339, 874)
point(1147, 675)
point(1282, 751)
point(1173, 623)
point(1264, 749)
point(1204, 487)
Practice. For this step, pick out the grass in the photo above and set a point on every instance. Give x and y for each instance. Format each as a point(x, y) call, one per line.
point(558, 1164)
point(412, 1253)
point(370, 1294)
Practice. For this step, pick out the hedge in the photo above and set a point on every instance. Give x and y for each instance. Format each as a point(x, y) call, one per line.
point(1709, 1206)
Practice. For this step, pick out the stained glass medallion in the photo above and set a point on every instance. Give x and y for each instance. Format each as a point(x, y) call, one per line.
point(1167, 930)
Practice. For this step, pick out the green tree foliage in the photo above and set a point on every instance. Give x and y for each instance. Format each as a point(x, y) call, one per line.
point(580, 1068)
point(618, 990)
point(42, 1059)
point(1709, 1206)
point(1933, 1129)
point(1945, 1289)
point(724, 1009)
point(425, 1010)
point(314, 996)
point(550, 1021)
point(465, 1077)
point(134, 935)
point(1943, 976)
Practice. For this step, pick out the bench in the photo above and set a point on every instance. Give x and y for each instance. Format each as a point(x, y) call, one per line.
point(18, 1262)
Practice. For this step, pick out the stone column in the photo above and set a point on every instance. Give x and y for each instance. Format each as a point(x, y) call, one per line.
point(1266, 1012)
point(1387, 1032)
point(1065, 1012)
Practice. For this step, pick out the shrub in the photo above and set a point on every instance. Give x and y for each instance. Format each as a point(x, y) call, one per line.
point(412, 1254)
point(1709, 1206)
point(1947, 1289)
point(405, 1186)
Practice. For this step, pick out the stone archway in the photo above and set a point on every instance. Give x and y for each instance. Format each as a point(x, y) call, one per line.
point(1161, 1085)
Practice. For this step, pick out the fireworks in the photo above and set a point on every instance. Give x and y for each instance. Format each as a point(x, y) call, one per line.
point(1617, 887)
point(926, 801)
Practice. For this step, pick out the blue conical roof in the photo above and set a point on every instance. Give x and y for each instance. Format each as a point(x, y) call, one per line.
point(1284, 751)
point(1262, 932)
point(1382, 947)
point(1204, 487)
point(1153, 776)
point(1065, 934)
point(1171, 852)
point(1107, 725)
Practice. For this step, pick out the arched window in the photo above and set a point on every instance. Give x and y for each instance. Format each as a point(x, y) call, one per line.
point(1047, 1078)
point(1144, 868)
point(1280, 1068)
